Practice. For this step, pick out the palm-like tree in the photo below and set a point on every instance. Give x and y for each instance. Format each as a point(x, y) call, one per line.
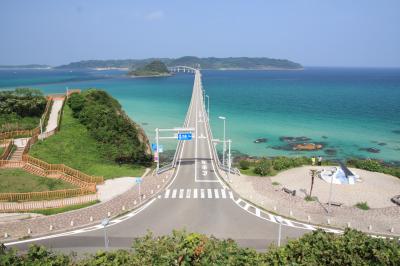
point(313, 174)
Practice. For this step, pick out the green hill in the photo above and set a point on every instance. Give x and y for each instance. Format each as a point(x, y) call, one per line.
point(261, 63)
point(155, 68)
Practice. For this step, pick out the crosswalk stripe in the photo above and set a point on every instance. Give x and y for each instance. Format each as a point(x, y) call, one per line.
point(195, 193)
point(209, 193)
point(173, 194)
point(181, 193)
point(216, 193)
point(308, 226)
point(258, 212)
point(246, 206)
point(271, 217)
point(223, 193)
point(288, 222)
point(167, 193)
point(230, 194)
point(188, 191)
point(202, 193)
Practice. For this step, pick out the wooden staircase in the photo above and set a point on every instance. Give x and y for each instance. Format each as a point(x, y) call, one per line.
point(17, 154)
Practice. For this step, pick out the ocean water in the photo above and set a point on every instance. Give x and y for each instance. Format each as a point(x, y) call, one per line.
point(347, 110)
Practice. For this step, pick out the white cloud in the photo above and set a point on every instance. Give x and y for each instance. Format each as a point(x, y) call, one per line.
point(155, 15)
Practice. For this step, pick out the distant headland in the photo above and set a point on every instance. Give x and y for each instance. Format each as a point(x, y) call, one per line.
point(215, 63)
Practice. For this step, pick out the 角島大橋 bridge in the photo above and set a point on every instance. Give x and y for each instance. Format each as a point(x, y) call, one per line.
point(197, 198)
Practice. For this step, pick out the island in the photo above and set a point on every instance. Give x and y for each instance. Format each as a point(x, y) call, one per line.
point(154, 69)
point(214, 63)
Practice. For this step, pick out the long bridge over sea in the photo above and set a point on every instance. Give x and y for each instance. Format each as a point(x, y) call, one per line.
point(192, 193)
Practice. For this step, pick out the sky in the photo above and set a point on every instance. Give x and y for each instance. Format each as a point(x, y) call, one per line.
point(349, 33)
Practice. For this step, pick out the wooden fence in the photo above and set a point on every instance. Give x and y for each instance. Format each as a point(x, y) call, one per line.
point(87, 183)
point(27, 132)
point(37, 205)
point(63, 169)
point(46, 195)
point(8, 143)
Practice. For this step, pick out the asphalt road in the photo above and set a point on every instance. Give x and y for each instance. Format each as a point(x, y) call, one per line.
point(196, 200)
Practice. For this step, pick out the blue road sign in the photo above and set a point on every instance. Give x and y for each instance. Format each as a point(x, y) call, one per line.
point(184, 136)
point(138, 180)
point(154, 147)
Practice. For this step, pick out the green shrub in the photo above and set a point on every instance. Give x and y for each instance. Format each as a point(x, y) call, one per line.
point(374, 166)
point(119, 138)
point(275, 183)
point(182, 248)
point(244, 164)
point(263, 167)
point(362, 205)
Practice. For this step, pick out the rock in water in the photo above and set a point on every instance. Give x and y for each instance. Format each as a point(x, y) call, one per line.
point(307, 147)
point(294, 139)
point(371, 150)
point(261, 140)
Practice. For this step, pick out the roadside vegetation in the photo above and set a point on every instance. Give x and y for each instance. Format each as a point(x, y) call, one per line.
point(74, 146)
point(271, 166)
point(21, 109)
point(182, 248)
point(374, 166)
point(17, 180)
point(362, 205)
point(64, 209)
point(97, 138)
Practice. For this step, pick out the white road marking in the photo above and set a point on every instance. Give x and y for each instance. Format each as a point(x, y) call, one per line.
point(167, 193)
point(209, 193)
point(188, 191)
point(288, 222)
point(230, 194)
point(246, 207)
point(181, 193)
point(258, 212)
point(195, 193)
point(173, 193)
point(223, 193)
point(202, 193)
point(216, 193)
point(204, 173)
point(308, 226)
point(203, 162)
point(204, 167)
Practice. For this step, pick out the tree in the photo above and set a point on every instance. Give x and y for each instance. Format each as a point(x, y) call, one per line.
point(313, 174)
point(244, 164)
point(263, 167)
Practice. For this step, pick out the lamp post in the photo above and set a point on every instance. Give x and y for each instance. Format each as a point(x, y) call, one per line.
point(279, 220)
point(104, 223)
point(208, 107)
point(224, 147)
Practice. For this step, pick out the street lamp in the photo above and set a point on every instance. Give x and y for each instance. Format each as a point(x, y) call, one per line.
point(104, 223)
point(279, 220)
point(224, 148)
point(208, 107)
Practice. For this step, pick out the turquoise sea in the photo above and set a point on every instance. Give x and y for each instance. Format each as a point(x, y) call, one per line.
point(352, 112)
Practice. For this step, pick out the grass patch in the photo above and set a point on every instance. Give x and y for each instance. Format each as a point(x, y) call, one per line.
point(1, 150)
point(17, 180)
point(74, 147)
point(362, 205)
point(10, 122)
point(275, 183)
point(65, 209)
point(309, 198)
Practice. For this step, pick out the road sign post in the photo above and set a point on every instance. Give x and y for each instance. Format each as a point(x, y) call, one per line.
point(104, 223)
point(185, 136)
point(138, 182)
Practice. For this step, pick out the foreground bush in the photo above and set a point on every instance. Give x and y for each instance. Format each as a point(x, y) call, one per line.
point(181, 248)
